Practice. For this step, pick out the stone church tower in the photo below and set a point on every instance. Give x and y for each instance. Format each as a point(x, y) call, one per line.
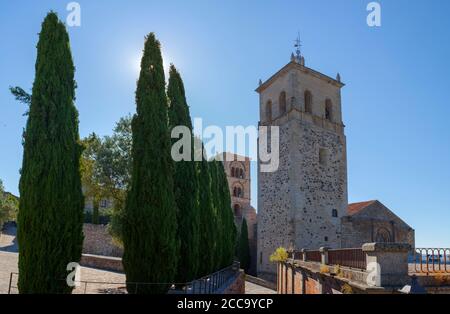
point(300, 205)
point(237, 169)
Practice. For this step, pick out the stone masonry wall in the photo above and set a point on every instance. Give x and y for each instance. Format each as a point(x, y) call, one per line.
point(98, 241)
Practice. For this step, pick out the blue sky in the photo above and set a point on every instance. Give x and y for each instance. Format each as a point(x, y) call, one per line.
point(395, 104)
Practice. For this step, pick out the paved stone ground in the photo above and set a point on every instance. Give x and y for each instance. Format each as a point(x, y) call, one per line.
point(96, 278)
point(251, 288)
point(9, 260)
point(8, 265)
point(8, 241)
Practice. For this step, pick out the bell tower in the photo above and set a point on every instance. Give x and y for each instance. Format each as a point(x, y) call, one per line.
point(300, 204)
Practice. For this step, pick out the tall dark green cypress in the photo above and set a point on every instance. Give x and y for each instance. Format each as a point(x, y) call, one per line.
point(244, 247)
point(51, 200)
point(207, 218)
point(218, 230)
point(229, 232)
point(185, 184)
point(149, 225)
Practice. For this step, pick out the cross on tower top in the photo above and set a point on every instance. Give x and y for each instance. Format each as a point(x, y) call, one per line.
point(298, 45)
point(298, 53)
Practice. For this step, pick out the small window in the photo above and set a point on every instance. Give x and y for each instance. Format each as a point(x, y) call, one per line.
point(104, 203)
point(326, 239)
point(308, 102)
point(282, 103)
point(335, 213)
point(328, 110)
point(238, 192)
point(260, 258)
point(323, 156)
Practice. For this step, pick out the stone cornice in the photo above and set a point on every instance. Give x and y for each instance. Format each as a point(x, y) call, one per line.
point(302, 68)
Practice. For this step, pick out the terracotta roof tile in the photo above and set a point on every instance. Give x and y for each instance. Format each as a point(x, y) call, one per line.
point(357, 207)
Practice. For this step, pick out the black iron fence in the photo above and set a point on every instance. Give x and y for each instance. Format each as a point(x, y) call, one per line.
point(212, 283)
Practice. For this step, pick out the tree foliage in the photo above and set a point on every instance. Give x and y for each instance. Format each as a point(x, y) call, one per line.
point(185, 184)
point(51, 205)
point(106, 167)
point(280, 255)
point(9, 205)
point(244, 247)
point(207, 215)
point(149, 220)
point(225, 212)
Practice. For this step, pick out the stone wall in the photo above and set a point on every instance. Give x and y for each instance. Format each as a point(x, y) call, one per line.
point(98, 241)
point(236, 285)
point(102, 262)
point(307, 278)
point(297, 201)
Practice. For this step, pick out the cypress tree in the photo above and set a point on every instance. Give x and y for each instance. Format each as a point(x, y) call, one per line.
point(244, 247)
point(51, 200)
point(218, 231)
point(228, 234)
point(207, 219)
point(185, 184)
point(149, 225)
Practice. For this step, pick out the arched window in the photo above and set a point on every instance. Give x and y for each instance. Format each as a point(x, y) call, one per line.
point(238, 191)
point(308, 102)
point(237, 210)
point(383, 236)
point(269, 111)
point(282, 102)
point(232, 171)
point(241, 173)
point(328, 110)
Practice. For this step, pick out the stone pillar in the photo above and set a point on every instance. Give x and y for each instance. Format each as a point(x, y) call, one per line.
point(303, 255)
point(324, 255)
point(387, 264)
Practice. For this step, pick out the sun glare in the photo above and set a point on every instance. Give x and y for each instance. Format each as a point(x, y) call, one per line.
point(135, 64)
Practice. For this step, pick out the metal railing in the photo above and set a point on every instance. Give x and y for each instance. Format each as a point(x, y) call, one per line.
point(11, 280)
point(313, 256)
point(354, 258)
point(431, 260)
point(214, 282)
point(296, 255)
